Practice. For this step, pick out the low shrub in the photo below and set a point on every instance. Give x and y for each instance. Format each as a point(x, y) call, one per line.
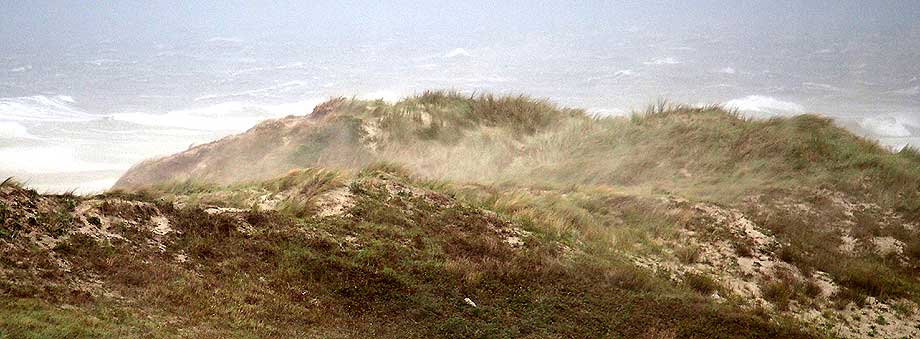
point(701, 282)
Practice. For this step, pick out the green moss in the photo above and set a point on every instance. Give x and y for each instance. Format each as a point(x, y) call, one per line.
point(32, 318)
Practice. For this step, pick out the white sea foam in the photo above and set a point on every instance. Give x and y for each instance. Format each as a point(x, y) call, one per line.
point(274, 91)
point(910, 91)
point(41, 108)
point(96, 186)
point(727, 70)
point(21, 69)
point(224, 117)
point(607, 112)
point(220, 39)
point(48, 159)
point(103, 62)
point(764, 106)
point(457, 52)
point(662, 61)
point(897, 125)
point(292, 65)
point(821, 87)
point(388, 96)
point(11, 130)
point(247, 71)
point(78, 183)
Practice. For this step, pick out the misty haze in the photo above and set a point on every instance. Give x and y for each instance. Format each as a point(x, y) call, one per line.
point(660, 169)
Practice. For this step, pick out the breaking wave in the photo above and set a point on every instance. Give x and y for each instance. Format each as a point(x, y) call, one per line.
point(48, 159)
point(41, 108)
point(223, 117)
point(764, 106)
point(13, 130)
point(662, 61)
point(457, 52)
point(898, 125)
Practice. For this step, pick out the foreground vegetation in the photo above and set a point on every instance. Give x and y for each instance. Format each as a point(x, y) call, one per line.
point(399, 261)
point(446, 215)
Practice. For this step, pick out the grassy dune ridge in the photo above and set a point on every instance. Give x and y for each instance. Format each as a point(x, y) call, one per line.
point(450, 215)
point(709, 151)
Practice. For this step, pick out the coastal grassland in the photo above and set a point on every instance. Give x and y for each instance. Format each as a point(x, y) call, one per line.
point(400, 262)
point(581, 177)
point(381, 219)
point(707, 152)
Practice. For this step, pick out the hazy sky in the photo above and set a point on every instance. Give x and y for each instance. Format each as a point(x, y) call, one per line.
point(35, 25)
